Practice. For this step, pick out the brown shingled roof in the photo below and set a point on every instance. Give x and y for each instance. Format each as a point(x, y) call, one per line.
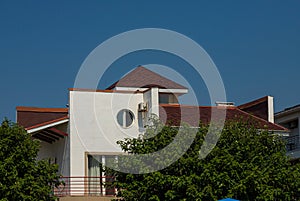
point(143, 78)
point(34, 117)
point(173, 114)
point(257, 107)
point(29, 117)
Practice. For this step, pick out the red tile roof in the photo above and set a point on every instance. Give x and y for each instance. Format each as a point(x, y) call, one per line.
point(141, 77)
point(173, 114)
point(31, 117)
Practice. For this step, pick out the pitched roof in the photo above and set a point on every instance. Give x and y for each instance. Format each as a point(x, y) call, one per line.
point(30, 117)
point(174, 114)
point(257, 107)
point(288, 110)
point(40, 122)
point(141, 77)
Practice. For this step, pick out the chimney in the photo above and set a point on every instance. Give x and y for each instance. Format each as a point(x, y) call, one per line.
point(271, 109)
point(225, 104)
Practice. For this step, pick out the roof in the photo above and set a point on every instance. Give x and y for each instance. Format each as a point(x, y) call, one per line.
point(174, 114)
point(32, 116)
point(105, 91)
point(141, 77)
point(253, 103)
point(288, 110)
point(41, 122)
point(257, 107)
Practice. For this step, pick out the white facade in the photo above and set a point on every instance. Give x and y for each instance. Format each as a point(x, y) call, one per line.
point(98, 119)
point(83, 137)
point(57, 152)
point(290, 118)
point(94, 123)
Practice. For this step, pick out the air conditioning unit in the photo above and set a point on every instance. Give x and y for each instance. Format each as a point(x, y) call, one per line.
point(143, 107)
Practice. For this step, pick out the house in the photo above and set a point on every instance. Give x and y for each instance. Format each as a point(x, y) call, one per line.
point(290, 118)
point(84, 134)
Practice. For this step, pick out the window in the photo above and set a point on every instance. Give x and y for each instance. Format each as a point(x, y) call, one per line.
point(163, 98)
point(97, 178)
point(293, 124)
point(125, 118)
point(167, 98)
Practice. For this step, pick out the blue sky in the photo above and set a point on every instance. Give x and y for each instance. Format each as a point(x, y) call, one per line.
point(255, 46)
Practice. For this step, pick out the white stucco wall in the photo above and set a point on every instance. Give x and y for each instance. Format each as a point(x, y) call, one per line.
point(151, 97)
point(58, 150)
point(94, 127)
point(287, 117)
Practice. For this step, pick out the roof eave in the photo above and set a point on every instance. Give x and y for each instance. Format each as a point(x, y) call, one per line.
point(174, 91)
point(45, 125)
point(286, 112)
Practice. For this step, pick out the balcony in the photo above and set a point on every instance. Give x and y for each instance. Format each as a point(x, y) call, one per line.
point(292, 143)
point(85, 186)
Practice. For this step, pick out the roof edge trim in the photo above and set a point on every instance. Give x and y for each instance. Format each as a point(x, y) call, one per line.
point(104, 91)
point(48, 124)
point(254, 102)
point(38, 109)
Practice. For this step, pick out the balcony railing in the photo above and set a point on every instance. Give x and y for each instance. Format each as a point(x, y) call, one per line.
point(85, 186)
point(292, 143)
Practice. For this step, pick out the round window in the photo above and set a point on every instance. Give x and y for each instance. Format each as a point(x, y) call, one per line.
point(125, 118)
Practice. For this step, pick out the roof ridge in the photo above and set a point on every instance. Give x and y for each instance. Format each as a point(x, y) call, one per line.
point(251, 103)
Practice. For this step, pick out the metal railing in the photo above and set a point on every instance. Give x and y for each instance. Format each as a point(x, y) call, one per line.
point(292, 142)
point(85, 186)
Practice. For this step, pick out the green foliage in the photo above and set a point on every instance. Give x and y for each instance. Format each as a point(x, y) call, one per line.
point(246, 164)
point(22, 177)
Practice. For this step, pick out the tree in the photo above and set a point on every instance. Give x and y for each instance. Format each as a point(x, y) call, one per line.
point(245, 164)
point(22, 177)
